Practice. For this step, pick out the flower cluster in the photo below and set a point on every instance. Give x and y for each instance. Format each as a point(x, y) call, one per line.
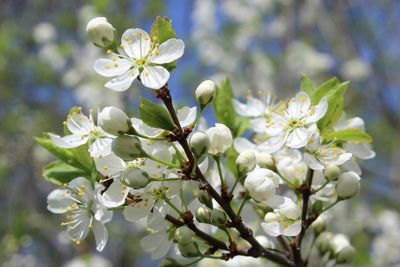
point(261, 177)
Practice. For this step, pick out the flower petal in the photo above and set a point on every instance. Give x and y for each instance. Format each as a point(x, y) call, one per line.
point(169, 51)
point(312, 162)
point(115, 195)
point(110, 165)
point(137, 212)
point(101, 147)
point(58, 202)
point(69, 141)
point(144, 129)
point(110, 68)
point(298, 138)
point(293, 229)
point(123, 82)
point(274, 143)
point(362, 151)
point(243, 144)
point(136, 43)
point(100, 235)
point(272, 228)
point(79, 124)
point(187, 116)
point(154, 76)
point(299, 105)
point(253, 107)
point(317, 112)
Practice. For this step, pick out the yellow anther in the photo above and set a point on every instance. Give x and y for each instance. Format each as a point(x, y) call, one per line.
point(116, 65)
point(109, 51)
point(105, 167)
point(114, 59)
point(78, 242)
point(154, 38)
point(107, 66)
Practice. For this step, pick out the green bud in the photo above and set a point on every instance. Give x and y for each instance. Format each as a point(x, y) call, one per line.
point(323, 242)
point(319, 225)
point(218, 217)
point(205, 198)
point(332, 172)
point(189, 250)
point(128, 147)
point(135, 178)
point(101, 32)
point(348, 185)
point(203, 215)
point(183, 235)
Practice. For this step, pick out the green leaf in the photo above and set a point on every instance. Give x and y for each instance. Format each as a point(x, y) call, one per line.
point(161, 31)
point(349, 135)
point(225, 112)
point(78, 157)
point(324, 89)
point(155, 115)
point(306, 85)
point(58, 172)
point(335, 105)
point(231, 156)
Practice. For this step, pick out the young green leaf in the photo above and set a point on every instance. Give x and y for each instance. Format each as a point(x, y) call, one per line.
point(306, 85)
point(349, 135)
point(155, 115)
point(225, 112)
point(58, 172)
point(76, 157)
point(161, 31)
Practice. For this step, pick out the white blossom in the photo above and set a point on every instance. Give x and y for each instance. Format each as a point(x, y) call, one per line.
point(139, 57)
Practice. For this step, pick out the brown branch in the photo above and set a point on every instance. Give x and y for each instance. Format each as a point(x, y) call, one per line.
point(257, 250)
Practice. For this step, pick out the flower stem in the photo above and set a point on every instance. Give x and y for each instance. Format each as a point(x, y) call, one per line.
point(242, 205)
point(173, 206)
point(322, 187)
point(221, 177)
point(161, 161)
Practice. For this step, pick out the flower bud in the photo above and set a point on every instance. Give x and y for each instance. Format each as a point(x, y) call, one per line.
point(100, 32)
point(114, 121)
point(183, 235)
point(332, 172)
point(342, 249)
point(205, 92)
point(135, 178)
point(203, 215)
point(220, 139)
point(189, 250)
point(199, 143)
point(205, 198)
point(265, 160)
point(261, 184)
point(246, 161)
point(127, 147)
point(218, 217)
point(348, 185)
point(319, 225)
point(323, 242)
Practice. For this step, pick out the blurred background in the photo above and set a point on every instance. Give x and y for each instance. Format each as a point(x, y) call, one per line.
point(46, 67)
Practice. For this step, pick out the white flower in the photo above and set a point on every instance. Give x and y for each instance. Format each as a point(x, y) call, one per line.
point(99, 30)
point(348, 185)
point(294, 125)
point(139, 56)
point(205, 92)
point(318, 156)
point(220, 139)
point(113, 121)
point(83, 130)
point(262, 184)
point(285, 220)
point(83, 210)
